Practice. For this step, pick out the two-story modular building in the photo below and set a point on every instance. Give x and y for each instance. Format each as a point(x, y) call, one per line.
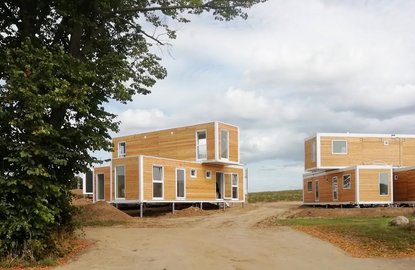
point(349, 168)
point(198, 163)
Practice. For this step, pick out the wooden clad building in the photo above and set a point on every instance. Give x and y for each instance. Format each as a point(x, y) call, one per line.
point(198, 163)
point(363, 184)
point(326, 151)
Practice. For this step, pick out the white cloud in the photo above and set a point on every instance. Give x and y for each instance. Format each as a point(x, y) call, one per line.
point(292, 69)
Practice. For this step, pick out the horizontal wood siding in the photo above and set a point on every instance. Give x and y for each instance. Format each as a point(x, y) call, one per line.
point(176, 143)
point(233, 141)
point(369, 186)
point(408, 151)
point(106, 172)
point(131, 176)
point(198, 188)
point(326, 188)
point(404, 186)
point(361, 151)
point(308, 150)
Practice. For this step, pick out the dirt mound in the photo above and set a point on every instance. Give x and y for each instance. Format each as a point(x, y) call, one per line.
point(353, 212)
point(81, 201)
point(101, 211)
point(191, 212)
point(78, 193)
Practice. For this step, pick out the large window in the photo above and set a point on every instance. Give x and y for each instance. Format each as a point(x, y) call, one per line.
point(224, 144)
point(347, 181)
point(157, 182)
point(335, 187)
point(180, 183)
point(339, 147)
point(121, 149)
point(120, 182)
point(100, 186)
point(201, 145)
point(383, 183)
point(234, 186)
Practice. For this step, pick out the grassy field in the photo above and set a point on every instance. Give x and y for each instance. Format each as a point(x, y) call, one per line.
point(275, 196)
point(360, 236)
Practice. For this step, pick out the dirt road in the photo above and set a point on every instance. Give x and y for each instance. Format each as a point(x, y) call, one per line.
point(220, 241)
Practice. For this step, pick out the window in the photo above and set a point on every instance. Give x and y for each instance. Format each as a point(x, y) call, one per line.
point(157, 182)
point(120, 182)
point(100, 186)
point(339, 147)
point(180, 183)
point(309, 186)
point(208, 174)
point(313, 152)
point(347, 181)
point(234, 186)
point(121, 149)
point(201, 146)
point(335, 188)
point(193, 173)
point(224, 144)
point(383, 183)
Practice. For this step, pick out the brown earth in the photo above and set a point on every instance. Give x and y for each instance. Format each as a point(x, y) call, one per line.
point(230, 239)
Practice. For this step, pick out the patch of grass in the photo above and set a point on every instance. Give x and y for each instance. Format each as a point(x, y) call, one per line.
point(275, 196)
point(103, 223)
point(373, 234)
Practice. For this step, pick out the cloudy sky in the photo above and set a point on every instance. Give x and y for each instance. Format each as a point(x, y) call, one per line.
point(292, 69)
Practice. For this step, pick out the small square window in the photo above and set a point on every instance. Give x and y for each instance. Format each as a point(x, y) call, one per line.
point(121, 149)
point(309, 186)
point(347, 181)
point(193, 173)
point(208, 174)
point(395, 177)
point(339, 147)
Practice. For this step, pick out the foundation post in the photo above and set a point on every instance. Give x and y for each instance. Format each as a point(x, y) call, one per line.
point(201, 206)
point(141, 210)
point(173, 209)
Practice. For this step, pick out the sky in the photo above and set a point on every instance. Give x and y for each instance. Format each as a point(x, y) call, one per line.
point(292, 69)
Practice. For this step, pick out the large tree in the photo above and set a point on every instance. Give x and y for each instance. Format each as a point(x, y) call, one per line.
point(60, 62)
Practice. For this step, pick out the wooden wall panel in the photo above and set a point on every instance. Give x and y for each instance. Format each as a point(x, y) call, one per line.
point(198, 188)
point(361, 151)
point(369, 186)
point(308, 158)
point(404, 186)
point(176, 143)
point(106, 171)
point(233, 141)
point(131, 176)
point(408, 151)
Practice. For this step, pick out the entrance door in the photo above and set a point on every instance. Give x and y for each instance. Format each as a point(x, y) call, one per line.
point(228, 186)
point(219, 185)
point(100, 187)
point(180, 183)
point(335, 189)
point(317, 192)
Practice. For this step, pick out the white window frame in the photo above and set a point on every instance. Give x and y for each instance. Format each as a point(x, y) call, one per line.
point(206, 174)
point(197, 144)
point(184, 184)
point(97, 189)
point(335, 179)
point(157, 181)
point(227, 145)
point(233, 186)
point(120, 154)
point(116, 183)
point(193, 175)
point(309, 182)
point(332, 147)
point(388, 183)
point(350, 181)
